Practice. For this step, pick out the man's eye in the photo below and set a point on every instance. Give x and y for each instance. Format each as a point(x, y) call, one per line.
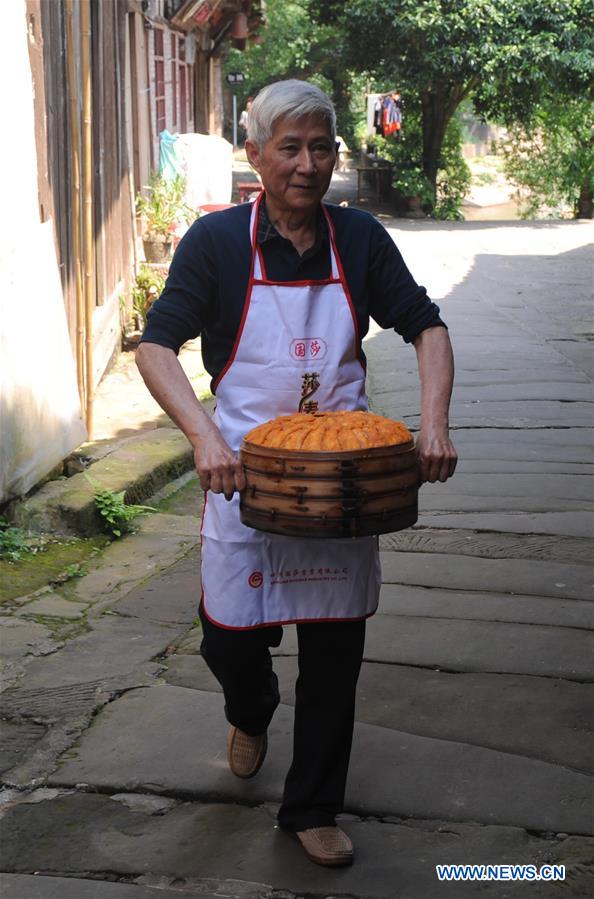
point(290, 148)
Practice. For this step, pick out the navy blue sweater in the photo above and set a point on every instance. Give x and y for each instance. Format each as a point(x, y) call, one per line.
point(208, 279)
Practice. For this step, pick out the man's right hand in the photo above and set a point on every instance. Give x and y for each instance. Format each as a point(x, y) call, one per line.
point(218, 467)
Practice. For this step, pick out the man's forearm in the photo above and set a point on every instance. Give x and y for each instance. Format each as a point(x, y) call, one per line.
point(436, 372)
point(437, 456)
point(169, 385)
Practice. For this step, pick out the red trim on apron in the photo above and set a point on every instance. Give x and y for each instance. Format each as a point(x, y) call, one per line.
point(320, 283)
point(230, 627)
point(343, 281)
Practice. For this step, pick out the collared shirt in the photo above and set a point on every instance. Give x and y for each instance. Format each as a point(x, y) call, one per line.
point(265, 230)
point(206, 290)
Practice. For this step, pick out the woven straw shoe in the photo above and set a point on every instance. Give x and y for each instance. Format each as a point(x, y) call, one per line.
point(328, 846)
point(245, 754)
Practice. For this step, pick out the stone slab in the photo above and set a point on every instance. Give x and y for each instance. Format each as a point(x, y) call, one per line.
point(457, 645)
point(159, 542)
point(541, 718)
point(570, 524)
point(21, 638)
point(237, 852)
point(530, 440)
point(476, 606)
point(421, 777)
point(26, 886)
point(578, 352)
point(18, 738)
point(516, 466)
point(520, 414)
point(52, 605)
point(558, 374)
point(489, 545)
point(450, 500)
point(564, 487)
point(520, 390)
point(114, 646)
point(540, 578)
point(172, 596)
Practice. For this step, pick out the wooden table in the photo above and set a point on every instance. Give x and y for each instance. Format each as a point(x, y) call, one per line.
point(377, 171)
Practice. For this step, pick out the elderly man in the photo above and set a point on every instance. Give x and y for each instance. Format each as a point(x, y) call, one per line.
point(252, 280)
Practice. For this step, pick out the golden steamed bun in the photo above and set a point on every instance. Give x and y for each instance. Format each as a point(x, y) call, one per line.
point(329, 431)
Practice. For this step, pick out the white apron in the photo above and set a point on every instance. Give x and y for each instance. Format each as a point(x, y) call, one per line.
point(296, 350)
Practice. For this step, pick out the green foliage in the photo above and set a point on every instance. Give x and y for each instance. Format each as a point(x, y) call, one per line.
point(116, 514)
point(509, 55)
point(74, 571)
point(163, 207)
point(513, 57)
point(551, 161)
point(453, 175)
point(13, 542)
point(16, 544)
point(148, 286)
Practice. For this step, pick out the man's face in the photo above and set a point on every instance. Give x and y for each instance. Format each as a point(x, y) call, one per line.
point(296, 164)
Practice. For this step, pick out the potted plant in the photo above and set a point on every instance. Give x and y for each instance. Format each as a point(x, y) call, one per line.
point(414, 186)
point(161, 209)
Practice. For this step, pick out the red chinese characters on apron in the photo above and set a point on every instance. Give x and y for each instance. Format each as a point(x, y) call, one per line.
point(297, 349)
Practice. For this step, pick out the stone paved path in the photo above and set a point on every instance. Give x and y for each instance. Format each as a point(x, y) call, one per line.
point(474, 738)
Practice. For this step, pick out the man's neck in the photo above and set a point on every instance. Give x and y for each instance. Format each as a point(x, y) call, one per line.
point(299, 228)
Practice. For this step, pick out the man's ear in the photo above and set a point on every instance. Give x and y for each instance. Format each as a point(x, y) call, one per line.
point(253, 154)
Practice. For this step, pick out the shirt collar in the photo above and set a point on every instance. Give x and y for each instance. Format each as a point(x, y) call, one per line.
point(265, 230)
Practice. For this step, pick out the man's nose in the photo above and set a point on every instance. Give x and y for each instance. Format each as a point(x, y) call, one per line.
point(306, 162)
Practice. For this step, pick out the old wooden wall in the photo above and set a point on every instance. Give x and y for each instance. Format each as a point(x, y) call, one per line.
point(112, 189)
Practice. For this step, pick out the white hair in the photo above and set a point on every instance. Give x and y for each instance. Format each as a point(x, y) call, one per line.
point(292, 99)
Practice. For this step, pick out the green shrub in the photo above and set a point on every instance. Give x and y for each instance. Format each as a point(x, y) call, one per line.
point(116, 514)
point(148, 286)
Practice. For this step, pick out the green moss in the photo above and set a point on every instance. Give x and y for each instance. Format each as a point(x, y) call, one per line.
point(32, 572)
point(188, 500)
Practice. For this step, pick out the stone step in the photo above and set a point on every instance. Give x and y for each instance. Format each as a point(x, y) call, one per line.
point(139, 465)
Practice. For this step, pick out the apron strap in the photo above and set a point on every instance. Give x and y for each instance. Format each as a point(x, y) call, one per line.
point(258, 272)
point(258, 262)
point(335, 270)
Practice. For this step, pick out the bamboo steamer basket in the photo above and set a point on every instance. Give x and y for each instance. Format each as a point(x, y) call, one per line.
point(357, 493)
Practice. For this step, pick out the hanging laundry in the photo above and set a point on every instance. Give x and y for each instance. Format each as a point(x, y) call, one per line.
point(388, 116)
point(384, 114)
point(377, 117)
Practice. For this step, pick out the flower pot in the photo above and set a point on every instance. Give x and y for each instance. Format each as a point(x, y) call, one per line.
point(414, 207)
point(157, 250)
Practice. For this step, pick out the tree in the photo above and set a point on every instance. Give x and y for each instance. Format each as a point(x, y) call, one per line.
point(552, 159)
point(508, 54)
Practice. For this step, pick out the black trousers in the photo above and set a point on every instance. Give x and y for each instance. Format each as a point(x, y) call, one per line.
point(330, 655)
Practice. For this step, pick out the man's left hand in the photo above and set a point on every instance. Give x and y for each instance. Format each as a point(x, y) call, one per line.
point(436, 454)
